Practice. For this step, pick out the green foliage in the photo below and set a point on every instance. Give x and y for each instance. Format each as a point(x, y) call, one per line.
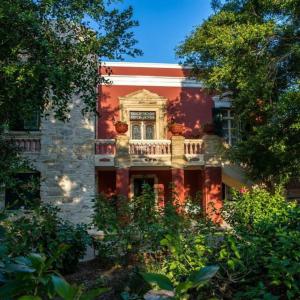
point(43, 231)
point(51, 50)
point(135, 228)
point(251, 49)
point(11, 162)
point(33, 277)
point(195, 280)
point(261, 256)
point(257, 255)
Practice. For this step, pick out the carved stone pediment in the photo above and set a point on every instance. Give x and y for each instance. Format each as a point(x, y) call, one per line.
point(145, 100)
point(142, 95)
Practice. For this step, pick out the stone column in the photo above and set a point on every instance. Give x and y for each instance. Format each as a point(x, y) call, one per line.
point(122, 182)
point(178, 161)
point(178, 185)
point(212, 193)
point(67, 163)
point(212, 147)
point(122, 163)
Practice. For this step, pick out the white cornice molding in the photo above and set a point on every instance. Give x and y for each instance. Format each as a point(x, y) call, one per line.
point(133, 80)
point(144, 65)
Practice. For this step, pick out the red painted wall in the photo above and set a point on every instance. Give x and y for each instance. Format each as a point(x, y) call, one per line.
point(143, 71)
point(192, 182)
point(191, 106)
point(106, 182)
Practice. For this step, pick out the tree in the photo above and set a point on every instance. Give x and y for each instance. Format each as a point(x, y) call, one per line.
point(50, 49)
point(252, 49)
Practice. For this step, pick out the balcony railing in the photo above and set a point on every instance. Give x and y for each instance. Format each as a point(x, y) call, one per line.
point(150, 147)
point(177, 151)
point(193, 147)
point(193, 150)
point(105, 147)
point(28, 145)
point(105, 150)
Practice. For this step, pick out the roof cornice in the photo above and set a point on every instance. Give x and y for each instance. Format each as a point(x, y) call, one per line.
point(144, 65)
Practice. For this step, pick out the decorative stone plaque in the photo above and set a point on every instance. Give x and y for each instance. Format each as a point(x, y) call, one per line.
point(142, 115)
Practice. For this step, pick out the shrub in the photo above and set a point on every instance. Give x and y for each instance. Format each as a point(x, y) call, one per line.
point(260, 255)
point(33, 276)
point(135, 227)
point(42, 230)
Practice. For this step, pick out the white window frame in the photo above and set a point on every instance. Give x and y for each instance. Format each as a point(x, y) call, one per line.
point(131, 194)
point(229, 119)
point(143, 125)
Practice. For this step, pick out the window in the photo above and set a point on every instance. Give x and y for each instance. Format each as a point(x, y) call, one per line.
point(136, 132)
point(227, 126)
point(142, 125)
point(30, 123)
point(25, 193)
point(139, 183)
point(226, 192)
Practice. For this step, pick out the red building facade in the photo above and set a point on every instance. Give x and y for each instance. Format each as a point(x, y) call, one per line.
point(148, 98)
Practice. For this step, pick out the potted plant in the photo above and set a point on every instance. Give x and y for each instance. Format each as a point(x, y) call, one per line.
point(209, 128)
point(176, 128)
point(121, 127)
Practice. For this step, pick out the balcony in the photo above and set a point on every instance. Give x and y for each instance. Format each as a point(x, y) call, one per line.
point(29, 143)
point(156, 152)
point(194, 151)
point(105, 151)
point(187, 152)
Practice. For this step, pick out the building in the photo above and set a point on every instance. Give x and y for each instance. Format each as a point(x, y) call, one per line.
point(86, 156)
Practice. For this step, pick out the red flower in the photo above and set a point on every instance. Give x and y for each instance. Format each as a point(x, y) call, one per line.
point(244, 190)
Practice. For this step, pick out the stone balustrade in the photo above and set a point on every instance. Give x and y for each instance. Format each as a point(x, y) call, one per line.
point(105, 147)
point(194, 151)
point(150, 147)
point(28, 145)
point(193, 146)
point(177, 152)
point(105, 151)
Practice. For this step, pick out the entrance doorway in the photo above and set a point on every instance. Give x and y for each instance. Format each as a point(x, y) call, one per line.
point(138, 185)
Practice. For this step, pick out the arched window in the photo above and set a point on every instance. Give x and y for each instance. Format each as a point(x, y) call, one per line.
point(136, 132)
point(142, 125)
point(149, 132)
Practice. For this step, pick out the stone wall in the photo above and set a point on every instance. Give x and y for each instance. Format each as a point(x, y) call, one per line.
point(66, 163)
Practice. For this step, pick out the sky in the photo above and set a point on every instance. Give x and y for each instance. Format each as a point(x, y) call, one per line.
point(163, 25)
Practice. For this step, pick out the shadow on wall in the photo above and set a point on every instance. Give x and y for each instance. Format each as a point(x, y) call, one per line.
point(67, 157)
point(193, 109)
point(108, 113)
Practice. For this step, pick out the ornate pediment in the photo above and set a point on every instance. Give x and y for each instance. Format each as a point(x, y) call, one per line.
point(147, 102)
point(142, 95)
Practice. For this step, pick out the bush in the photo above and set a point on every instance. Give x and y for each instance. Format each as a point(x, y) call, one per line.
point(260, 255)
point(42, 230)
point(33, 276)
point(133, 228)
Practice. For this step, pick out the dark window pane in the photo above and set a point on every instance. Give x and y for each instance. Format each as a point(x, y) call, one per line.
point(26, 191)
point(139, 183)
point(149, 132)
point(136, 132)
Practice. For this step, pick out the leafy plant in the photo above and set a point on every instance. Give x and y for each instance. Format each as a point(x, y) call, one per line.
point(195, 280)
point(43, 231)
point(223, 51)
point(32, 278)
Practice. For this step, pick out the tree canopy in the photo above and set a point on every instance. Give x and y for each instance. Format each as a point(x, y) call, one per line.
point(252, 49)
point(50, 49)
